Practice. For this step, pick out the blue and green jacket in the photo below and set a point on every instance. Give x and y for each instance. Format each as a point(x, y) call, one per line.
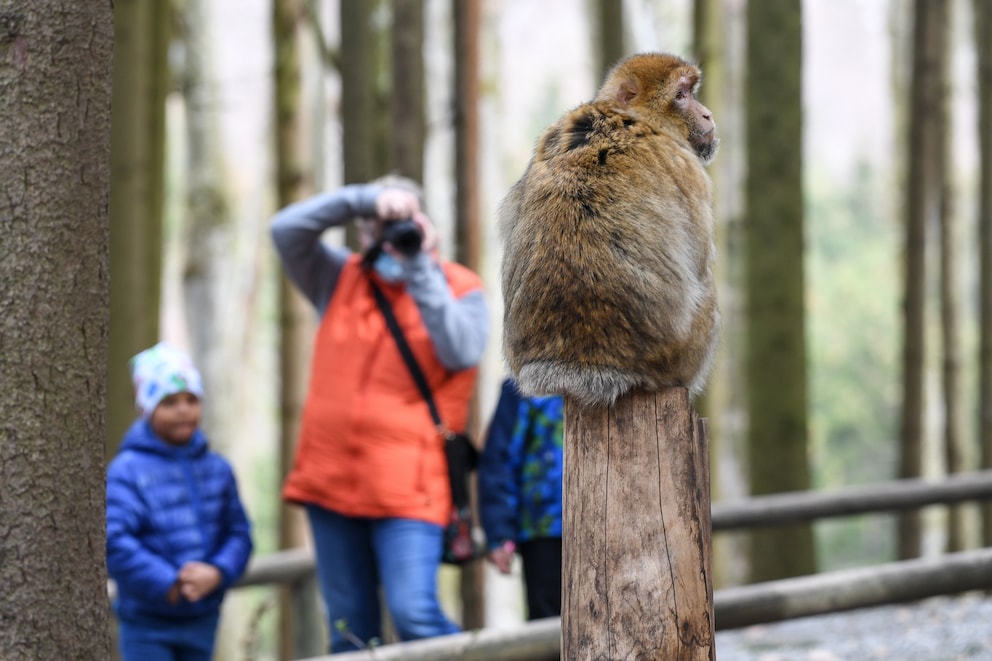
point(520, 471)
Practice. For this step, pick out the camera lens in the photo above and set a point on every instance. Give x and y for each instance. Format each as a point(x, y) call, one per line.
point(404, 235)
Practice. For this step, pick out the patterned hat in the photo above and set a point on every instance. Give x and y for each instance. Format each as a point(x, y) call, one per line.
point(161, 371)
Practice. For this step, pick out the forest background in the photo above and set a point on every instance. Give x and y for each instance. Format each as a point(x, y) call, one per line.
point(880, 341)
point(220, 285)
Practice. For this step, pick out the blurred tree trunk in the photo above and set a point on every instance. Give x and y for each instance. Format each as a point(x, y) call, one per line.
point(718, 39)
point(407, 109)
point(54, 268)
point(142, 29)
point(776, 361)
point(226, 188)
point(609, 43)
point(296, 319)
point(356, 90)
point(207, 218)
point(923, 192)
point(468, 233)
point(364, 119)
point(983, 37)
point(357, 98)
point(955, 448)
point(382, 81)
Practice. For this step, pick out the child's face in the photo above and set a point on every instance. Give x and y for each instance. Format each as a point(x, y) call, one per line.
point(176, 418)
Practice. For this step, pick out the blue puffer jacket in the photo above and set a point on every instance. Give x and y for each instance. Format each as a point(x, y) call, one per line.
point(520, 470)
point(168, 505)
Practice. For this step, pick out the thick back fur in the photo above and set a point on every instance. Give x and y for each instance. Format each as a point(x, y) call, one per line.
point(608, 236)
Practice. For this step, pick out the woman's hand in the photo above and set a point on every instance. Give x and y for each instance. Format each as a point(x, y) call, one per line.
point(396, 203)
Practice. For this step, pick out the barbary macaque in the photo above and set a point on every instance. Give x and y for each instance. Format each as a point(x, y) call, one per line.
point(608, 242)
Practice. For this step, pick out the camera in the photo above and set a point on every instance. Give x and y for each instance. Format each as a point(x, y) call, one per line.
point(404, 235)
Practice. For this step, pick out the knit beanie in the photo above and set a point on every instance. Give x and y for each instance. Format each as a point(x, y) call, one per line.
point(161, 371)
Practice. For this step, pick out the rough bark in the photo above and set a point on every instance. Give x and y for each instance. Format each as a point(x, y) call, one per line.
point(55, 91)
point(776, 355)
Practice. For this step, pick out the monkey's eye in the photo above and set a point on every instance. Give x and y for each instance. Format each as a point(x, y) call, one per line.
point(680, 95)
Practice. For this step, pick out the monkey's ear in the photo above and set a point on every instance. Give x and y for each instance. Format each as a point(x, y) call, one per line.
point(626, 91)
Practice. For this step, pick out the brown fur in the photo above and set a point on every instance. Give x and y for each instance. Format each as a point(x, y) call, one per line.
point(608, 235)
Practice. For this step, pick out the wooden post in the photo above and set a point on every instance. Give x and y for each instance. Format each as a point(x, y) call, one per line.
point(637, 580)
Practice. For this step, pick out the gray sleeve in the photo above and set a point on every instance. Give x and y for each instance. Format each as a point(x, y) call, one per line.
point(310, 264)
point(458, 327)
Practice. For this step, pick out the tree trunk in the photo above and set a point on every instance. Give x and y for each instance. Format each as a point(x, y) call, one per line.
point(922, 206)
point(718, 40)
point(141, 39)
point(207, 221)
point(468, 232)
point(296, 321)
point(357, 98)
point(776, 361)
point(955, 448)
point(407, 108)
point(356, 90)
point(608, 19)
point(55, 97)
point(228, 202)
point(983, 35)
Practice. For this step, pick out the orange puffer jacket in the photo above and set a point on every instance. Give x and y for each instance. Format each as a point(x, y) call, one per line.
point(368, 446)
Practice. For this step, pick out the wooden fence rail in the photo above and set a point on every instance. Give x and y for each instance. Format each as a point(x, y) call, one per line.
point(898, 495)
point(734, 607)
point(296, 564)
point(895, 582)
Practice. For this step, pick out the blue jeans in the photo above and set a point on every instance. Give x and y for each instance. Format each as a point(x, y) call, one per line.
point(149, 639)
point(356, 555)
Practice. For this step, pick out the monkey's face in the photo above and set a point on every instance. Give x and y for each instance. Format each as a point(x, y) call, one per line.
point(698, 118)
point(663, 91)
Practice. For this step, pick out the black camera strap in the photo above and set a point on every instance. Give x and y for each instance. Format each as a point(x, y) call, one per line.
point(461, 456)
point(372, 254)
point(408, 357)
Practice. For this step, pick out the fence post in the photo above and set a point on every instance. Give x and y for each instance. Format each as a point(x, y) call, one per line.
point(637, 581)
point(309, 626)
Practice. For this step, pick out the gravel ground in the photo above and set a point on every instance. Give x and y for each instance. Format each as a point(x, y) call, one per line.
point(938, 629)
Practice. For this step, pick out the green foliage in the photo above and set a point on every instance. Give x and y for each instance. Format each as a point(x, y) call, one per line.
point(341, 625)
point(853, 295)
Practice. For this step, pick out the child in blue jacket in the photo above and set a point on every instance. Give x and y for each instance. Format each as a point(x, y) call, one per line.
point(177, 534)
point(520, 484)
